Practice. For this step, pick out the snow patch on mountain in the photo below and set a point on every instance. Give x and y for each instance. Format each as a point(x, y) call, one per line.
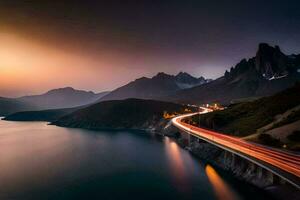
point(277, 77)
point(185, 85)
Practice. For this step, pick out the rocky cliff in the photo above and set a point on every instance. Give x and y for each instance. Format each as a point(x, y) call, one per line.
point(270, 71)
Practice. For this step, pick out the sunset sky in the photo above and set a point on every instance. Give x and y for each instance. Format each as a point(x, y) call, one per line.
point(99, 46)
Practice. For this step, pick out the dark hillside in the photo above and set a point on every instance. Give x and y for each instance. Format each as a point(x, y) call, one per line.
point(121, 114)
point(43, 115)
point(245, 118)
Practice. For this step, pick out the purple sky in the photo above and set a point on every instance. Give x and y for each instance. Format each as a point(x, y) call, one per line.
point(100, 46)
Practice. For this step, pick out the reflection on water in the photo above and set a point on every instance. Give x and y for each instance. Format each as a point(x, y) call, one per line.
point(47, 162)
point(222, 190)
point(176, 163)
point(179, 169)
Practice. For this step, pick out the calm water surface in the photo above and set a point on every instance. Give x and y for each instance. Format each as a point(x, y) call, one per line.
point(38, 161)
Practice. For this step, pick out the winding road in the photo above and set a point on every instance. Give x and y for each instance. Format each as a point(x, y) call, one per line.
point(282, 163)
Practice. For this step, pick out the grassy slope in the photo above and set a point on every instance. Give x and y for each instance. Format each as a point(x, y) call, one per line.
point(293, 117)
point(245, 118)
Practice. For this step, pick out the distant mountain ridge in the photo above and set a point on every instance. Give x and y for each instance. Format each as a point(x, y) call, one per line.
point(270, 71)
point(54, 99)
point(10, 105)
point(41, 115)
point(62, 98)
point(159, 85)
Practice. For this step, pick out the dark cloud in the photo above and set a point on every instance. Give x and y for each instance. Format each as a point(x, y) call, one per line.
point(186, 27)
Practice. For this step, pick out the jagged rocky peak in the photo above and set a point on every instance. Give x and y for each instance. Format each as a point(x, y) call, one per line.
point(143, 78)
point(270, 62)
point(203, 79)
point(181, 77)
point(185, 80)
point(162, 75)
point(185, 77)
point(245, 68)
point(183, 74)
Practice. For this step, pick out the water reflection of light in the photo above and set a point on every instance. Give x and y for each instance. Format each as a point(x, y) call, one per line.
point(176, 163)
point(223, 192)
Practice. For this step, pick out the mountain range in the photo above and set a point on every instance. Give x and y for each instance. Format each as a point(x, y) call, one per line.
point(270, 71)
point(153, 88)
point(144, 88)
point(62, 98)
point(267, 73)
point(57, 98)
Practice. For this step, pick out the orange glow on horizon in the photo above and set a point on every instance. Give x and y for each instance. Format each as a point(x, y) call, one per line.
point(32, 67)
point(25, 64)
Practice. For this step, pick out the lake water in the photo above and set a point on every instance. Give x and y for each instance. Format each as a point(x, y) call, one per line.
point(38, 161)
